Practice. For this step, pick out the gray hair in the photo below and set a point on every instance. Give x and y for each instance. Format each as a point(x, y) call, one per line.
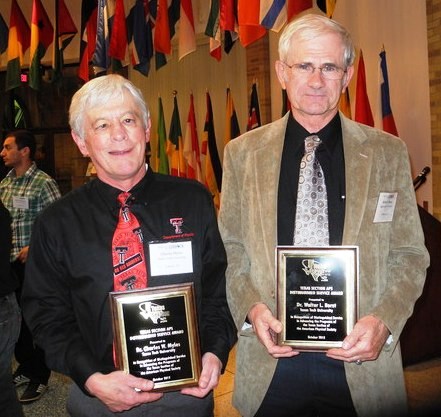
point(99, 91)
point(308, 27)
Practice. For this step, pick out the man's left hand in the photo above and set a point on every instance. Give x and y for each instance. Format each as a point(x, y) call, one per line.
point(209, 379)
point(364, 343)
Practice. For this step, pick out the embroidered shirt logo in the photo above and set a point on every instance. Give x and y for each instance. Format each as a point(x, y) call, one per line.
point(177, 223)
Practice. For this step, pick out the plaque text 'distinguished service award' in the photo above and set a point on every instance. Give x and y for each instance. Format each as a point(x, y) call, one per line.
point(317, 295)
point(156, 335)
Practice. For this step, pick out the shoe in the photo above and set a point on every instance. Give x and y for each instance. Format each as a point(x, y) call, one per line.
point(20, 380)
point(33, 392)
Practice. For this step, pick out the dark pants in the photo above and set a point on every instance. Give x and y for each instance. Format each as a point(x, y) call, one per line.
point(172, 404)
point(308, 385)
point(10, 318)
point(29, 356)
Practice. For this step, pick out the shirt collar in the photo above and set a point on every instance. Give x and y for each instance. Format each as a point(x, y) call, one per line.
point(29, 172)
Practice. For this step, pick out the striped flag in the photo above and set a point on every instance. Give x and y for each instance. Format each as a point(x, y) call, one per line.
point(42, 35)
point(213, 30)
point(175, 146)
point(213, 168)
point(191, 146)
point(163, 167)
point(65, 30)
point(386, 109)
point(273, 14)
point(18, 43)
point(363, 113)
point(232, 129)
point(187, 36)
point(89, 10)
point(140, 36)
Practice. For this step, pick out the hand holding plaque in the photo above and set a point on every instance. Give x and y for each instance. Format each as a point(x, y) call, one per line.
point(156, 335)
point(317, 295)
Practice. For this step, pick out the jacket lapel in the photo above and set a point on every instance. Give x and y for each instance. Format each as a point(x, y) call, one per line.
point(358, 165)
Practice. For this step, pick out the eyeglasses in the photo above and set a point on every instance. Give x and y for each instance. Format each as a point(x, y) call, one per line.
point(328, 71)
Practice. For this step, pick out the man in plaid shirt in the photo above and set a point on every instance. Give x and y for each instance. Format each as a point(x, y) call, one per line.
point(25, 192)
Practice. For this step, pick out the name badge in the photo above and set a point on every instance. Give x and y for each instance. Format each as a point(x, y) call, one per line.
point(385, 207)
point(20, 202)
point(170, 258)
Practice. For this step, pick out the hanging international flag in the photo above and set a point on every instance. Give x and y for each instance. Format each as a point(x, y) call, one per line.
point(3, 35)
point(232, 129)
point(118, 34)
point(89, 11)
point(248, 18)
point(213, 168)
point(175, 146)
point(18, 43)
point(173, 17)
point(327, 6)
point(161, 38)
point(101, 58)
point(187, 36)
point(213, 30)
point(254, 112)
point(272, 14)
point(65, 30)
point(294, 7)
point(163, 166)
point(345, 104)
point(228, 23)
point(191, 146)
point(386, 109)
point(363, 113)
point(140, 36)
point(42, 35)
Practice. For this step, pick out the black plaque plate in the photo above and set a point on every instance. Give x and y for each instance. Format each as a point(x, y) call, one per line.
point(317, 295)
point(156, 335)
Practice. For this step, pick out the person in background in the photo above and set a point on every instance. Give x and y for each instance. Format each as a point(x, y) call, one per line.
point(25, 192)
point(10, 318)
point(362, 167)
point(67, 301)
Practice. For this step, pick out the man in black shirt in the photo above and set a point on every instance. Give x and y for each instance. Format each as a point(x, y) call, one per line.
point(70, 261)
point(9, 319)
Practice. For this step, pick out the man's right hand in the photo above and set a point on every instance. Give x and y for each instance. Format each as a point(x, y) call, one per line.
point(266, 326)
point(120, 391)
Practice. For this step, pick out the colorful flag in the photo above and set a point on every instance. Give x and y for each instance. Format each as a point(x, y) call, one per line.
point(345, 104)
point(140, 36)
point(272, 14)
point(161, 142)
point(65, 30)
point(386, 109)
point(363, 113)
point(3, 35)
point(161, 38)
point(173, 17)
point(89, 11)
point(213, 168)
point(248, 16)
point(228, 23)
point(327, 6)
point(191, 146)
point(101, 58)
point(175, 146)
point(187, 36)
point(232, 129)
point(42, 35)
point(118, 33)
point(18, 43)
point(254, 112)
point(213, 30)
point(294, 7)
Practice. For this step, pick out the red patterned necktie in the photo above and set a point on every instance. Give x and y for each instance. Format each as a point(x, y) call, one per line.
point(129, 266)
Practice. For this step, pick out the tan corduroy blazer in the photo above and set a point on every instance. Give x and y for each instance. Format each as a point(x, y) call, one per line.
point(393, 258)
